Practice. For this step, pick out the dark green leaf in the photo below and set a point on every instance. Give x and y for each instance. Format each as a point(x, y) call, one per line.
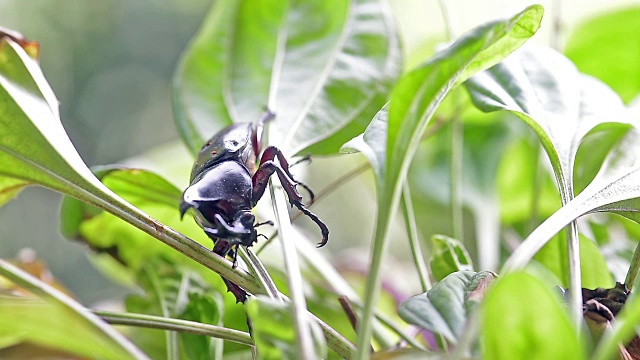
point(449, 256)
point(446, 307)
point(324, 67)
point(523, 319)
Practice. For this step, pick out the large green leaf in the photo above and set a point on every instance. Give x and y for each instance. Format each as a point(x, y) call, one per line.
point(522, 319)
point(274, 333)
point(445, 308)
point(324, 67)
point(392, 137)
point(46, 321)
point(608, 48)
point(34, 148)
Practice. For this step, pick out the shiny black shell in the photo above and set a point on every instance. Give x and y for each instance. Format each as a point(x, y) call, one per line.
point(232, 143)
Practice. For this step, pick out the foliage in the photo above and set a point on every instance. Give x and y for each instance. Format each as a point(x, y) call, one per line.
point(331, 72)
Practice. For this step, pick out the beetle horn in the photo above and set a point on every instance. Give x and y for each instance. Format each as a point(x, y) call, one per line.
point(184, 206)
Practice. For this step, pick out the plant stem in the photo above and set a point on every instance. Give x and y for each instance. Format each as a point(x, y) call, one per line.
point(634, 268)
point(556, 30)
point(171, 339)
point(256, 267)
point(537, 183)
point(323, 268)
point(457, 149)
point(575, 275)
point(294, 277)
point(446, 17)
point(414, 242)
point(163, 323)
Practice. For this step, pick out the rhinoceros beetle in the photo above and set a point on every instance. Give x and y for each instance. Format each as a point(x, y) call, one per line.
point(228, 178)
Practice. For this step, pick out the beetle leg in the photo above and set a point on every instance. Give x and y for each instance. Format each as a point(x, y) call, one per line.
point(306, 158)
point(271, 153)
point(260, 179)
point(263, 223)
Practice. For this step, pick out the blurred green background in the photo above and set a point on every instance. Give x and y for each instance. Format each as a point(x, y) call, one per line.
point(110, 64)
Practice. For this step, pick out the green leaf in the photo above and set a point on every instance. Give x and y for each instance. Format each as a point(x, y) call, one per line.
point(608, 48)
point(324, 67)
point(616, 189)
point(205, 309)
point(523, 319)
point(527, 191)
point(10, 188)
point(449, 256)
point(485, 138)
point(445, 308)
point(273, 330)
point(390, 145)
point(104, 232)
point(406, 354)
point(594, 270)
point(176, 292)
point(57, 321)
point(545, 90)
point(34, 148)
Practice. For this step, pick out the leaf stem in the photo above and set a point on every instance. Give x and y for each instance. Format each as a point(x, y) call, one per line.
point(164, 323)
point(457, 149)
point(556, 30)
point(414, 242)
point(446, 17)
